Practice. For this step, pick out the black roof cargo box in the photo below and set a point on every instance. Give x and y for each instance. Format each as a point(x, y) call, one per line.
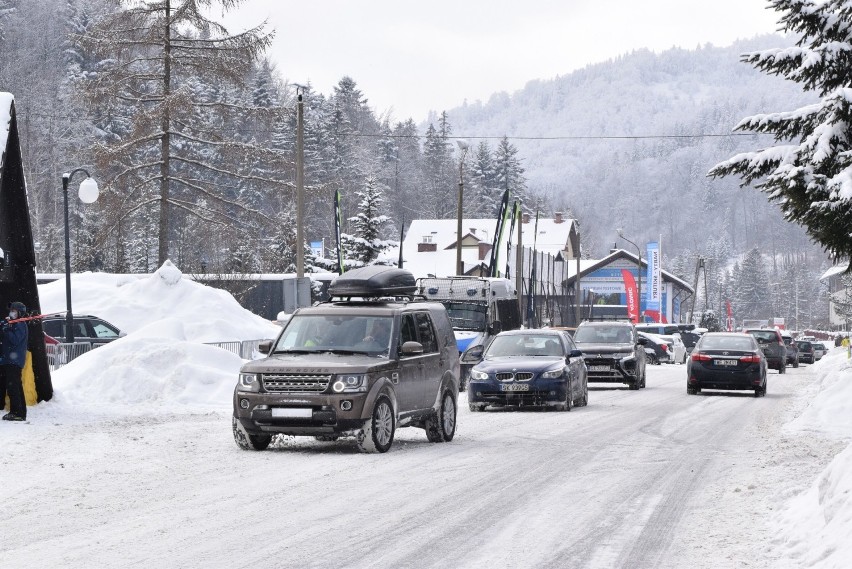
point(373, 281)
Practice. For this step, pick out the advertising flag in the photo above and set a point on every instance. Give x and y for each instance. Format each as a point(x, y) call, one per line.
point(654, 289)
point(337, 224)
point(632, 295)
point(498, 234)
point(515, 214)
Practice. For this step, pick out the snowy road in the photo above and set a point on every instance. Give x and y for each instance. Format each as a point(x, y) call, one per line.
point(650, 478)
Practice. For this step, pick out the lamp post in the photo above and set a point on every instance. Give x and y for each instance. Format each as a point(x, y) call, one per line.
point(88, 193)
point(638, 276)
point(463, 146)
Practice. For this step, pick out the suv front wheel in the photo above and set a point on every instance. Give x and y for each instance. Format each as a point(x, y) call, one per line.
point(441, 427)
point(378, 431)
point(247, 441)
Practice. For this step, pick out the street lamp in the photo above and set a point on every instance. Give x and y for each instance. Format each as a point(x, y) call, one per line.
point(88, 193)
point(638, 275)
point(463, 146)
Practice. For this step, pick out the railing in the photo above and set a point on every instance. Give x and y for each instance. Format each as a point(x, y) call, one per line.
point(60, 354)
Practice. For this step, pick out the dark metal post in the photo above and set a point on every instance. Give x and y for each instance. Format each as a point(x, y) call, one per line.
point(69, 317)
point(300, 186)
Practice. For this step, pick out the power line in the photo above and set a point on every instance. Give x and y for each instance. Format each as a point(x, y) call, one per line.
point(474, 137)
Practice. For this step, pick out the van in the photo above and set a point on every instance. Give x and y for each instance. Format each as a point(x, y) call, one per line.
point(478, 308)
point(369, 361)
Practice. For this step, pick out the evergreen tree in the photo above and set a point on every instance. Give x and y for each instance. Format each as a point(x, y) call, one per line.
point(509, 172)
point(366, 244)
point(807, 171)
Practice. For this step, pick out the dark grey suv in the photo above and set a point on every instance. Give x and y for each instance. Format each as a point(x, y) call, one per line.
point(361, 365)
point(613, 352)
point(87, 328)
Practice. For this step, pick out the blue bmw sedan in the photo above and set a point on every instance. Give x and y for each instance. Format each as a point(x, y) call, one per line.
point(529, 368)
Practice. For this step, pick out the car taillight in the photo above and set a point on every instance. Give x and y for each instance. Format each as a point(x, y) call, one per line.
point(750, 359)
point(665, 347)
point(699, 357)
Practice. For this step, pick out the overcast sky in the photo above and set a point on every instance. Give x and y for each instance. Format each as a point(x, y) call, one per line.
point(414, 57)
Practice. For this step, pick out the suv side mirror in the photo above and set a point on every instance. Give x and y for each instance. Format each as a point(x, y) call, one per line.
point(576, 354)
point(642, 341)
point(473, 355)
point(264, 347)
point(496, 327)
point(411, 348)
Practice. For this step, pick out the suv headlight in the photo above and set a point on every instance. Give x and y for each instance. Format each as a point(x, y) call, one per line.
point(248, 382)
point(478, 375)
point(553, 373)
point(627, 356)
point(350, 383)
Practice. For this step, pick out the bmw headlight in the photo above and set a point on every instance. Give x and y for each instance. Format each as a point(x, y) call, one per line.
point(477, 375)
point(248, 382)
point(553, 373)
point(350, 383)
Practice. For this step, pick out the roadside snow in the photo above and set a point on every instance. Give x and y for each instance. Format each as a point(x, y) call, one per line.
point(813, 528)
point(131, 303)
point(153, 370)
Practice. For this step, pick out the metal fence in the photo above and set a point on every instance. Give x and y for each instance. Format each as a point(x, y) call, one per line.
point(60, 354)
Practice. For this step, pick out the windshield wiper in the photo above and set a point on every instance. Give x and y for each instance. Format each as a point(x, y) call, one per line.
point(346, 352)
point(295, 351)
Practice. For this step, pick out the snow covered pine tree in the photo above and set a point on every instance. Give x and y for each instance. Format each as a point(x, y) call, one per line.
point(808, 171)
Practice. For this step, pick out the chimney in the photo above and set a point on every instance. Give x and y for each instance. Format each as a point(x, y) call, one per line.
point(428, 247)
point(557, 217)
point(472, 231)
point(525, 218)
point(484, 249)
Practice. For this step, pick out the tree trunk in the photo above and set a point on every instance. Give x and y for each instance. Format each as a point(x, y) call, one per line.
point(163, 231)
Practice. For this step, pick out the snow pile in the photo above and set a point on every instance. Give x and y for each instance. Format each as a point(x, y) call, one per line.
point(131, 303)
point(814, 527)
point(153, 369)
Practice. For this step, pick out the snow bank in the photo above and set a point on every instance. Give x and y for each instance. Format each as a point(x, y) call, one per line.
point(155, 369)
point(814, 527)
point(129, 302)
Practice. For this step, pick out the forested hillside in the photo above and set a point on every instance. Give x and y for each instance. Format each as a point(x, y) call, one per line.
point(196, 160)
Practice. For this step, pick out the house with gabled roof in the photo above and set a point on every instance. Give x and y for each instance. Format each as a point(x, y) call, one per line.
point(429, 246)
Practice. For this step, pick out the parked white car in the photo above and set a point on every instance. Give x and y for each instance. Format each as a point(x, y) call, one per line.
point(677, 349)
point(819, 350)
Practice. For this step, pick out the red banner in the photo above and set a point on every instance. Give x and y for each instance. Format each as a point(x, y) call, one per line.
point(729, 321)
point(632, 295)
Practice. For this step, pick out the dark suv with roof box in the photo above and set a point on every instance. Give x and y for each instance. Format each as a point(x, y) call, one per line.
point(361, 365)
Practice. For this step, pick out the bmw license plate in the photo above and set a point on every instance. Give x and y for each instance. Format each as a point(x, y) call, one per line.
point(515, 387)
point(725, 362)
point(599, 368)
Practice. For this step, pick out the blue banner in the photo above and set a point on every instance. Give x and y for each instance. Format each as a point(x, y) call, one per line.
point(654, 287)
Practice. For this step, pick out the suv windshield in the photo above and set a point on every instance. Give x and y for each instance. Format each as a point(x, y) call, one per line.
point(338, 333)
point(467, 316)
point(603, 335)
point(523, 345)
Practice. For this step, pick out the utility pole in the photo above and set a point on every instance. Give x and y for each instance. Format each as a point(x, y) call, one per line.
point(300, 184)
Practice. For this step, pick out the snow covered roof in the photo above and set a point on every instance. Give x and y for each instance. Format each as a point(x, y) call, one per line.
point(425, 247)
point(835, 270)
point(589, 266)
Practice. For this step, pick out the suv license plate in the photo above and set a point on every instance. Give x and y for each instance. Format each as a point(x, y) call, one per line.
point(725, 362)
point(515, 387)
point(599, 368)
point(292, 412)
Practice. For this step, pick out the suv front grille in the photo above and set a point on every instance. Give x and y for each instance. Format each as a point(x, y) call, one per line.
point(295, 382)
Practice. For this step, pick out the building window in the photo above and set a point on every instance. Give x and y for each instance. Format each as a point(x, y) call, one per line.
point(427, 239)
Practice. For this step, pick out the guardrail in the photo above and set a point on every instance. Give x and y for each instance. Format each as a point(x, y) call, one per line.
point(60, 354)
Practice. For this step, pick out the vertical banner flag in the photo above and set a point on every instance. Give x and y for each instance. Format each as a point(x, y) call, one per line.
point(632, 295)
point(401, 229)
point(531, 320)
point(515, 213)
point(337, 232)
point(498, 234)
point(729, 321)
point(654, 288)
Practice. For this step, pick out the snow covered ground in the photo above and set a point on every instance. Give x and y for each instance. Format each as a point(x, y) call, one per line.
point(133, 463)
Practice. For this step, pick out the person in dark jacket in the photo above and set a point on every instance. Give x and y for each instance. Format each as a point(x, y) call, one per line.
point(15, 337)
